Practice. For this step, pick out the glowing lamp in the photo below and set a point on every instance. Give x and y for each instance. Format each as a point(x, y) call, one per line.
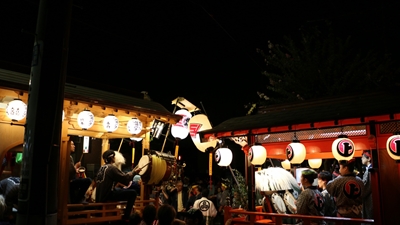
point(393, 147)
point(285, 164)
point(136, 139)
point(296, 152)
point(16, 110)
point(180, 130)
point(110, 123)
point(315, 163)
point(223, 156)
point(157, 128)
point(343, 148)
point(199, 123)
point(257, 155)
point(134, 126)
point(85, 119)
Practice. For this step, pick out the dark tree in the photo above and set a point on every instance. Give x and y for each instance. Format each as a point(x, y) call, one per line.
point(319, 64)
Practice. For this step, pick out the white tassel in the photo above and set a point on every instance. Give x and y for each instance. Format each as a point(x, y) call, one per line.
point(275, 179)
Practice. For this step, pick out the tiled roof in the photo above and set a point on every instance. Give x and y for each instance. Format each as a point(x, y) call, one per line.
point(329, 109)
point(14, 79)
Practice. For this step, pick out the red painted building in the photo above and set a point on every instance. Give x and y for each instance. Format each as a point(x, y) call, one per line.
point(367, 119)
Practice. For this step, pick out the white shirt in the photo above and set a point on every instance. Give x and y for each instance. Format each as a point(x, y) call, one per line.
point(206, 207)
point(180, 203)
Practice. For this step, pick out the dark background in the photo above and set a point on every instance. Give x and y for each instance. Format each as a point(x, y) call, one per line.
point(204, 51)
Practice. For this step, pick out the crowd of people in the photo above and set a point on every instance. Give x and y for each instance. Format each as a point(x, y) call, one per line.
point(201, 202)
point(346, 195)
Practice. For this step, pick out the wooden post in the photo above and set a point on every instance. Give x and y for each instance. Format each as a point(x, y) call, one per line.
point(37, 200)
point(64, 179)
point(104, 147)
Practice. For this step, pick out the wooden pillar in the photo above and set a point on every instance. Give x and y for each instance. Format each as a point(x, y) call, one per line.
point(146, 139)
point(145, 190)
point(374, 173)
point(63, 181)
point(37, 199)
point(251, 182)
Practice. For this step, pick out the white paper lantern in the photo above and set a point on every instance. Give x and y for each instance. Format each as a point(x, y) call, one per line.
point(110, 123)
point(16, 110)
point(315, 163)
point(180, 130)
point(257, 155)
point(223, 156)
point(343, 149)
point(286, 164)
point(296, 152)
point(393, 147)
point(134, 126)
point(136, 139)
point(199, 123)
point(85, 119)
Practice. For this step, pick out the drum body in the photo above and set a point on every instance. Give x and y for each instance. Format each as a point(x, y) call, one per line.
point(145, 163)
point(154, 169)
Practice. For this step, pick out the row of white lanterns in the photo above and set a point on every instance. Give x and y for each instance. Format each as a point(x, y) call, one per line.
point(110, 123)
point(16, 110)
point(343, 148)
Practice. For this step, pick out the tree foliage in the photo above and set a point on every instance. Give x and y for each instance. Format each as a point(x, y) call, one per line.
point(320, 64)
point(241, 189)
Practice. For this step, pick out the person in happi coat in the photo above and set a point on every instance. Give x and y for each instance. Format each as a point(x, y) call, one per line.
point(310, 201)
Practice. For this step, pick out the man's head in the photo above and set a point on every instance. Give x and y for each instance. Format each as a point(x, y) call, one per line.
point(136, 178)
point(205, 192)
point(196, 189)
point(193, 217)
point(108, 156)
point(179, 185)
point(166, 214)
point(346, 167)
point(223, 186)
point(323, 178)
point(72, 146)
point(149, 214)
point(366, 158)
point(308, 176)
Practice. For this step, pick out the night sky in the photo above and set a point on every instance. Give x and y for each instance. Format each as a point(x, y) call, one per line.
point(204, 51)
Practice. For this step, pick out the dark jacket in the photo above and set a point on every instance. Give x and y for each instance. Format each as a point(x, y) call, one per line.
point(191, 201)
point(173, 195)
point(106, 179)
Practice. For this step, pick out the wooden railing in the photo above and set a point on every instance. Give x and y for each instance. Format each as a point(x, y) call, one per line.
point(277, 219)
point(102, 212)
point(95, 212)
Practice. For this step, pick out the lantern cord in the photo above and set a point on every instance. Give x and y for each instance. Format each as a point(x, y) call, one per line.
point(233, 175)
point(295, 136)
point(272, 163)
point(204, 109)
point(120, 144)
